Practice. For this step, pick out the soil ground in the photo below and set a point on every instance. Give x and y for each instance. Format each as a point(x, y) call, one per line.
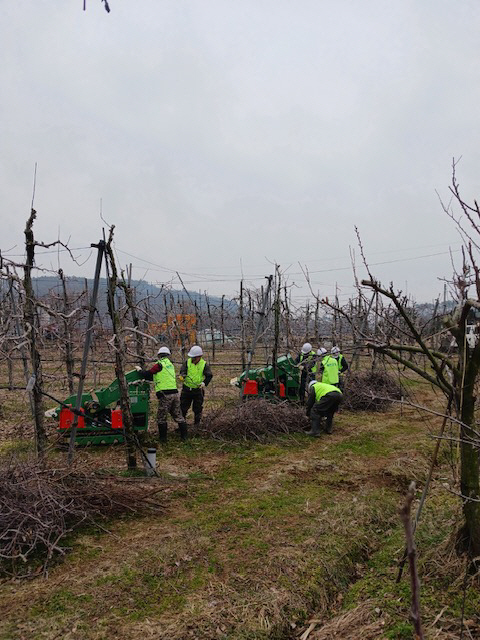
point(295, 538)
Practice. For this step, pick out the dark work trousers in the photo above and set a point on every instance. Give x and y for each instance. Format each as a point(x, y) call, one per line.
point(189, 397)
point(305, 378)
point(326, 408)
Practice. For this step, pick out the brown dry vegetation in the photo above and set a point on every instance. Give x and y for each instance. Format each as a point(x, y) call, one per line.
point(293, 538)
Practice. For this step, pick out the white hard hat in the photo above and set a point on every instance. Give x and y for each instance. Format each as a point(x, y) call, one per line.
point(195, 351)
point(310, 384)
point(164, 350)
point(321, 352)
point(335, 350)
point(307, 347)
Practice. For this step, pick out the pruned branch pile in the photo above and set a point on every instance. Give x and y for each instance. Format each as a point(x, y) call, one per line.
point(39, 506)
point(370, 391)
point(255, 419)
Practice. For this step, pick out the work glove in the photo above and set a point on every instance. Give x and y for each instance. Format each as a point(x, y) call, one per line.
point(202, 386)
point(301, 367)
point(138, 368)
point(181, 378)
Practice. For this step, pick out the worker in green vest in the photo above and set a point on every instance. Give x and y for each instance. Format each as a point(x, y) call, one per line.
point(307, 364)
point(322, 403)
point(321, 353)
point(329, 370)
point(196, 375)
point(164, 379)
point(342, 365)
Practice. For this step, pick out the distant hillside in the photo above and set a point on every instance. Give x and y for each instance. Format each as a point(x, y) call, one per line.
point(51, 284)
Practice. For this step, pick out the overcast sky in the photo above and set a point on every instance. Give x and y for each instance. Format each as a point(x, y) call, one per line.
point(221, 136)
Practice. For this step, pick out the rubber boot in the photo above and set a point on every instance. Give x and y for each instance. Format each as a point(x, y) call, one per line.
point(183, 428)
point(329, 424)
point(162, 432)
point(315, 431)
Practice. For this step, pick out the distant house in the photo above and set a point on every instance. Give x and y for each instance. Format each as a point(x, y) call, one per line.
point(205, 337)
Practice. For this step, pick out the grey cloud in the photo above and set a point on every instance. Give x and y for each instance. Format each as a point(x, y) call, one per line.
point(216, 132)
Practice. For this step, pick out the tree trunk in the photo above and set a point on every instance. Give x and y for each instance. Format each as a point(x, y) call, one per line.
point(131, 304)
point(242, 327)
point(276, 335)
point(29, 319)
point(211, 325)
point(67, 335)
point(18, 334)
point(119, 345)
point(315, 326)
point(222, 320)
point(307, 320)
point(287, 318)
point(470, 467)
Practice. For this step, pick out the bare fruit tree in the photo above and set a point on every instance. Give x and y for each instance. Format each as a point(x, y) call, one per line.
point(117, 316)
point(390, 325)
point(455, 373)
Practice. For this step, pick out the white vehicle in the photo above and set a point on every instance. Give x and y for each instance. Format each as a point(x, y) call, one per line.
point(471, 337)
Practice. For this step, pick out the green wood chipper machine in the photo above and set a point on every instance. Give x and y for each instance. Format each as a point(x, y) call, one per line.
point(100, 419)
point(260, 382)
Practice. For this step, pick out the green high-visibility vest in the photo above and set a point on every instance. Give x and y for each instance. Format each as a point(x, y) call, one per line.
point(309, 356)
point(195, 377)
point(330, 370)
point(339, 360)
point(165, 379)
point(321, 389)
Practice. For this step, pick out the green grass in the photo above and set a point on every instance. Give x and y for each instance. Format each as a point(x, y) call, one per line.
point(399, 631)
point(437, 591)
point(61, 602)
point(254, 537)
point(364, 444)
point(138, 593)
point(17, 447)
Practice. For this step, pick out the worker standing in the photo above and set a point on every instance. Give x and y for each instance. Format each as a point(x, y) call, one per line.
point(321, 353)
point(329, 370)
point(342, 365)
point(196, 375)
point(307, 363)
point(164, 379)
point(323, 401)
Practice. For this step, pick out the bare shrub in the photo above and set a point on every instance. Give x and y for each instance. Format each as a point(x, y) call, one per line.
point(39, 506)
point(370, 391)
point(255, 419)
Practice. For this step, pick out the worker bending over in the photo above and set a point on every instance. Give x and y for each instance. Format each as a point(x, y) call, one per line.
point(307, 363)
point(196, 375)
point(322, 402)
point(164, 379)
